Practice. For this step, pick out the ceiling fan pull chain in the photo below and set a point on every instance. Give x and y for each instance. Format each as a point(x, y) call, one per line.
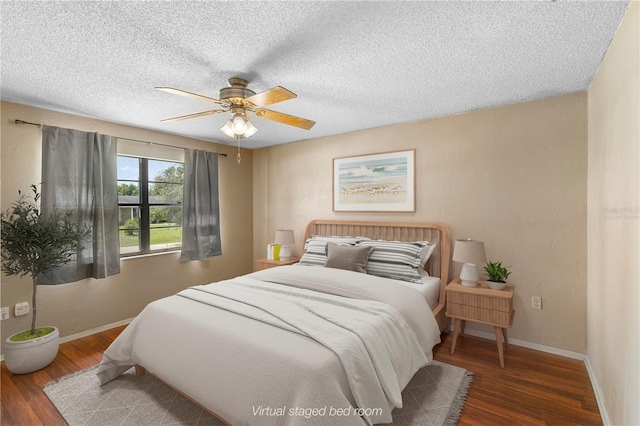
point(238, 157)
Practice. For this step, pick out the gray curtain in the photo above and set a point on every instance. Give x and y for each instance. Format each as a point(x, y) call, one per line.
point(200, 206)
point(79, 173)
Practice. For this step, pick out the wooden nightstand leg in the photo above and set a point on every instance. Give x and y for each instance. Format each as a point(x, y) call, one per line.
point(464, 323)
point(456, 327)
point(498, 332)
point(506, 339)
point(140, 370)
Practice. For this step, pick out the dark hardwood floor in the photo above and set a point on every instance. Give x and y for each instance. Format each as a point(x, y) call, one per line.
point(534, 388)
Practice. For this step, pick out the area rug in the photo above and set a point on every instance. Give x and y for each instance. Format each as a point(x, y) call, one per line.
point(435, 396)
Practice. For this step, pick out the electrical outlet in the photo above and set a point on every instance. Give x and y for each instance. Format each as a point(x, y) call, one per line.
point(21, 308)
point(5, 313)
point(536, 302)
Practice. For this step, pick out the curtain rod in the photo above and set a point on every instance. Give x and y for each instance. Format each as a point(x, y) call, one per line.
point(132, 140)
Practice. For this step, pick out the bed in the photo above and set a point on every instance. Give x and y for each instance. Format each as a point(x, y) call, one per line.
point(296, 344)
point(438, 233)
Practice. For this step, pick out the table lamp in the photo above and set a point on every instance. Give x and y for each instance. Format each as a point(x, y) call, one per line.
point(471, 254)
point(284, 237)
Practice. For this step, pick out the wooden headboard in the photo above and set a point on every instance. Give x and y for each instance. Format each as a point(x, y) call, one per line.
point(438, 265)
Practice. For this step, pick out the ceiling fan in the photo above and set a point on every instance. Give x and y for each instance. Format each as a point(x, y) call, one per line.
point(239, 99)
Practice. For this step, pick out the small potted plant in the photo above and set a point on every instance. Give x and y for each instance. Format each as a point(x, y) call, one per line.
point(34, 244)
point(497, 274)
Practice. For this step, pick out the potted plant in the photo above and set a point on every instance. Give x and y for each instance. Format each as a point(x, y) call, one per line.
point(34, 244)
point(497, 274)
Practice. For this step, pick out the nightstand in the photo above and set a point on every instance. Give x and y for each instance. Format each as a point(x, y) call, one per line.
point(268, 263)
point(482, 305)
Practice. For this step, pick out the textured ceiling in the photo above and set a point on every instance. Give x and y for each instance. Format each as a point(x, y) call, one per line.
point(353, 65)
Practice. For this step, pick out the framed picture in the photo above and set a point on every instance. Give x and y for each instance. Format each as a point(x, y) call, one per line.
point(375, 183)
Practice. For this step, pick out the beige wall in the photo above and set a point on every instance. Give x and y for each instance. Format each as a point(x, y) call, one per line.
point(613, 231)
point(90, 303)
point(514, 177)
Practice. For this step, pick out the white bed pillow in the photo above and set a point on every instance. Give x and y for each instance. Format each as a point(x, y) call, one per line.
point(426, 252)
point(423, 273)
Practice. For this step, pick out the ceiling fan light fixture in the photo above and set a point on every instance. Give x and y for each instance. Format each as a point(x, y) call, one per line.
point(227, 129)
point(236, 123)
point(251, 130)
point(239, 125)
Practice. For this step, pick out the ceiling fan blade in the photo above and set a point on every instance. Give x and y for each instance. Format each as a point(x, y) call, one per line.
point(196, 115)
point(271, 96)
point(192, 95)
point(291, 120)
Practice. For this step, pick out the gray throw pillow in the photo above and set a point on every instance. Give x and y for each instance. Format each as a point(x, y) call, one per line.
point(347, 257)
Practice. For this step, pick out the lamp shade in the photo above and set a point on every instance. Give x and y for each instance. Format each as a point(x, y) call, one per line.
point(284, 237)
point(470, 251)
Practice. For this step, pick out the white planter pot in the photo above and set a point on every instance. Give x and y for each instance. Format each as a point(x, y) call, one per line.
point(31, 355)
point(496, 285)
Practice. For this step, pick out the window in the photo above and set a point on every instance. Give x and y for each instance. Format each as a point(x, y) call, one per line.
point(150, 205)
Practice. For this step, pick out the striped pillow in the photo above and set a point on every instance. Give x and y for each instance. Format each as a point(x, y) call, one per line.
point(394, 259)
point(315, 249)
point(315, 253)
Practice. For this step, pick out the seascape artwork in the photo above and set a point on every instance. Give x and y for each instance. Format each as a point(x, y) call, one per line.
point(378, 182)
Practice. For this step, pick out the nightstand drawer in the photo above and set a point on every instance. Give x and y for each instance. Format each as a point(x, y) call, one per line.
point(491, 316)
point(480, 303)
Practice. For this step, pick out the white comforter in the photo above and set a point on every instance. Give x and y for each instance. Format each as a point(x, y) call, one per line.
point(297, 367)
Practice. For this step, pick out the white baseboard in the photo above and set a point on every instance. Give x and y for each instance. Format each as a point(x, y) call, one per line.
point(598, 391)
point(94, 331)
point(569, 354)
point(524, 344)
point(88, 332)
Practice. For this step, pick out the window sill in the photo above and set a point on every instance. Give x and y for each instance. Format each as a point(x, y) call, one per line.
point(140, 256)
